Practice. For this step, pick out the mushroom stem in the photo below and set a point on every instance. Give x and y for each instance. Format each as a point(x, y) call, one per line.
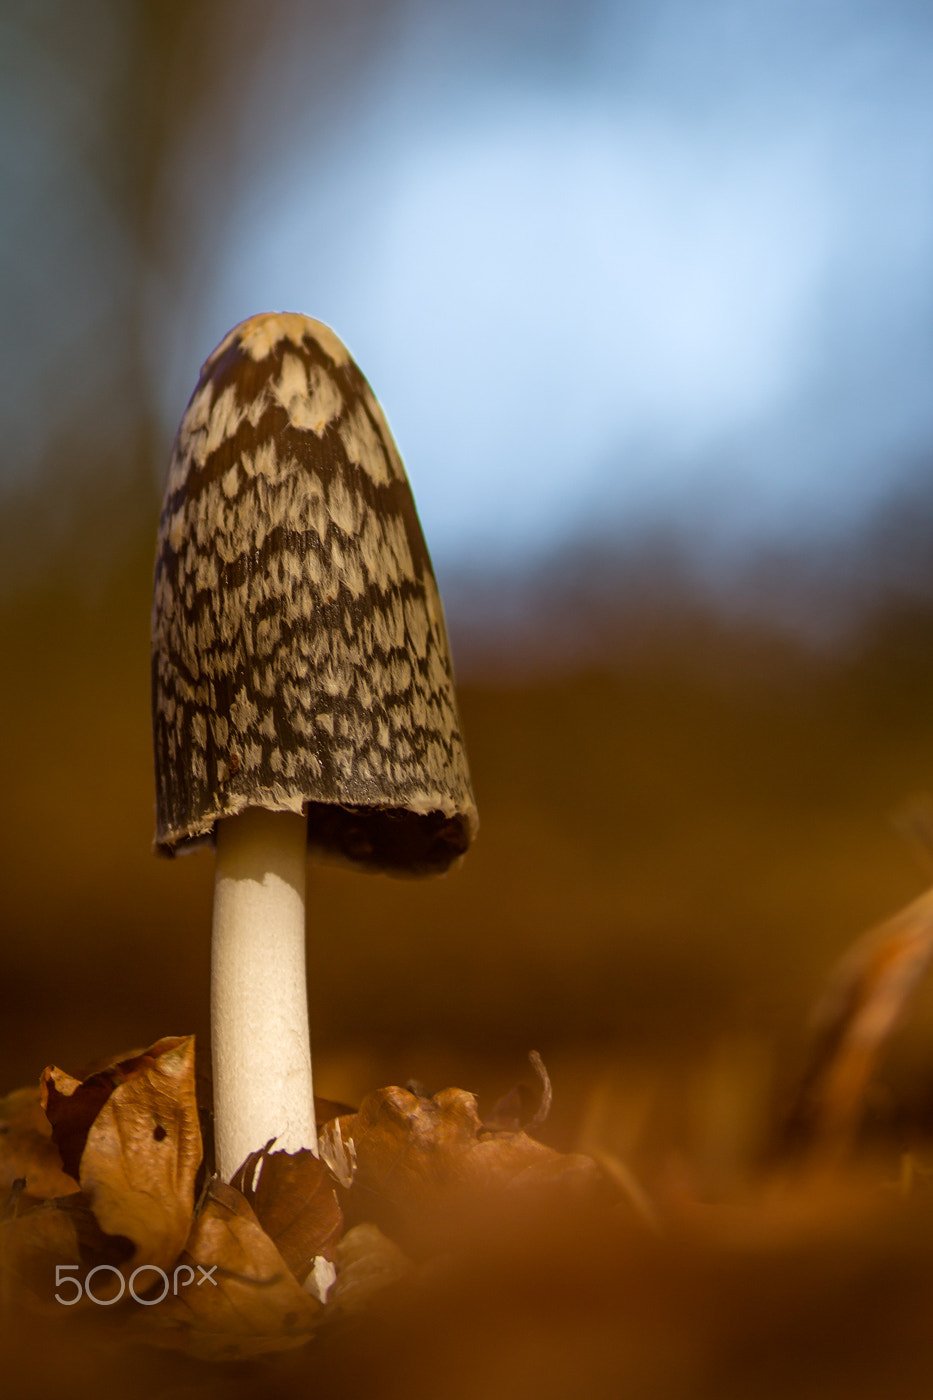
point(259, 998)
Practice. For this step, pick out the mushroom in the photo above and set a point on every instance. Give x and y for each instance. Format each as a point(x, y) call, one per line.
point(301, 687)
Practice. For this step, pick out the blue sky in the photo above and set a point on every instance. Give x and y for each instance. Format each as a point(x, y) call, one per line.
point(682, 269)
point(606, 265)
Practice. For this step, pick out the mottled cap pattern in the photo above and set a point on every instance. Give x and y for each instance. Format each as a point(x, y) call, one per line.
point(299, 655)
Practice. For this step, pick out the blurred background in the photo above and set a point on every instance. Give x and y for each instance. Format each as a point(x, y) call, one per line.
point(647, 294)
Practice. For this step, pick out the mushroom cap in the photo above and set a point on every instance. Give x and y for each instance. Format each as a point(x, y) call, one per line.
point(300, 660)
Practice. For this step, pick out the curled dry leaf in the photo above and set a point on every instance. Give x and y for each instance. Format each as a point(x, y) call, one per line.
point(71, 1106)
point(420, 1160)
point(128, 1148)
point(868, 994)
point(293, 1197)
point(517, 1111)
point(241, 1299)
point(27, 1152)
point(130, 1134)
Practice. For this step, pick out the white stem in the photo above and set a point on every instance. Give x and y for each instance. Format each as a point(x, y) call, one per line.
point(259, 998)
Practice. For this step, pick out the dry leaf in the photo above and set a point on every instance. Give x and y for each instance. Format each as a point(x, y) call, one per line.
point(71, 1106)
point(367, 1263)
point(27, 1152)
point(292, 1194)
point(241, 1298)
point(514, 1111)
point(131, 1135)
point(422, 1160)
point(868, 994)
point(47, 1252)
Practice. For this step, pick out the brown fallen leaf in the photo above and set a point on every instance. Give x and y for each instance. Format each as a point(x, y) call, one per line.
point(868, 993)
point(292, 1194)
point(27, 1152)
point(71, 1106)
point(130, 1133)
point(48, 1251)
point(367, 1263)
point(233, 1296)
point(420, 1162)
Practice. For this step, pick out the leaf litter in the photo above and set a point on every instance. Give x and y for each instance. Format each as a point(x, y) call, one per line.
point(100, 1175)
